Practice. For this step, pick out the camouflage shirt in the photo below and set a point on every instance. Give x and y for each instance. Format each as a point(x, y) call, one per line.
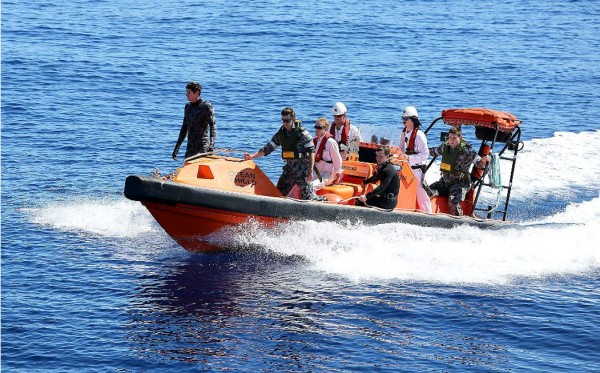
point(465, 159)
point(304, 145)
point(198, 125)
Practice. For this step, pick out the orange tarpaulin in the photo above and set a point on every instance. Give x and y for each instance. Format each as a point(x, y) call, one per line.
point(481, 117)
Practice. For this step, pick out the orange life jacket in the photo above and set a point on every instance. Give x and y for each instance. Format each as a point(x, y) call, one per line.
point(410, 148)
point(345, 131)
point(319, 151)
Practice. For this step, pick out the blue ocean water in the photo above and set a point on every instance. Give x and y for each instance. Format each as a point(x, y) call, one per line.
point(94, 90)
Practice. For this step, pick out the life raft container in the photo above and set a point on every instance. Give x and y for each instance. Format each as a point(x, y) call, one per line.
point(481, 117)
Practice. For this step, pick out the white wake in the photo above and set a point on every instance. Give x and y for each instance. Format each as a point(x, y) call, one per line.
point(564, 243)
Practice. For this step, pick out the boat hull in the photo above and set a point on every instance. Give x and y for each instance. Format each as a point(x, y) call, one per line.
point(190, 225)
point(189, 214)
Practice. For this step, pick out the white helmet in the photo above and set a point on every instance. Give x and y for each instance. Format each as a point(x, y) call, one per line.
point(339, 108)
point(410, 111)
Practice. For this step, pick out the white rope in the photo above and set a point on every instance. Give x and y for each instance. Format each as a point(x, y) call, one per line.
point(348, 199)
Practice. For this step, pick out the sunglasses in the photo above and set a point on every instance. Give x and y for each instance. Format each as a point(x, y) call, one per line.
point(404, 119)
point(284, 120)
point(319, 128)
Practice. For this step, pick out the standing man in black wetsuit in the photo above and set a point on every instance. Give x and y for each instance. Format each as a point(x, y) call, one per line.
point(198, 123)
point(385, 195)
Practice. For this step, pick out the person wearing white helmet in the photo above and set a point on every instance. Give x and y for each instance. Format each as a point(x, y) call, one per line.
point(343, 131)
point(413, 143)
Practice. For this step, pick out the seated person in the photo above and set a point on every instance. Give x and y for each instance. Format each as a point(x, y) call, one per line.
point(386, 194)
point(457, 157)
point(328, 160)
point(343, 131)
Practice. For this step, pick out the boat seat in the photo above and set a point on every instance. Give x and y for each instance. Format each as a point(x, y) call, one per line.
point(439, 205)
point(345, 191)
point(358, 169)
point(355, 172)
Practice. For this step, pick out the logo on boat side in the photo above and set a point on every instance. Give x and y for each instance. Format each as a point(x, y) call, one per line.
point(243, 178)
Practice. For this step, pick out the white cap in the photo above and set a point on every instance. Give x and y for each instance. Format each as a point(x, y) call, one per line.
point(410, 111)
point(339, 108)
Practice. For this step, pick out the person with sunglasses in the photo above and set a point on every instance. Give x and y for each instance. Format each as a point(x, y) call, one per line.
point(199, 124)
point(385, 196)
point(413, 143)
point(344, 132)
point(297, 150)
point(328, 160)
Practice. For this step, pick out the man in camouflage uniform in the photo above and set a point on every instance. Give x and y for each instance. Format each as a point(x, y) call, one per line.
point(198, 123)
point(457, 157)
point(297, 150)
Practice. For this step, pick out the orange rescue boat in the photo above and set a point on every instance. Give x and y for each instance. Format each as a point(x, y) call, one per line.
point(212, 191)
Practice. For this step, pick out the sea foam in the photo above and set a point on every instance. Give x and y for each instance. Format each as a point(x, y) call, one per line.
point(562, 243)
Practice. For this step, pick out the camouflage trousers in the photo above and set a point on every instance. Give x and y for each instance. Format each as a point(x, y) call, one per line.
point(456, 193)
point(295, 172)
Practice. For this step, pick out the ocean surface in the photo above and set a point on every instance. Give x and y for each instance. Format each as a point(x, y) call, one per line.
point(93, 91)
